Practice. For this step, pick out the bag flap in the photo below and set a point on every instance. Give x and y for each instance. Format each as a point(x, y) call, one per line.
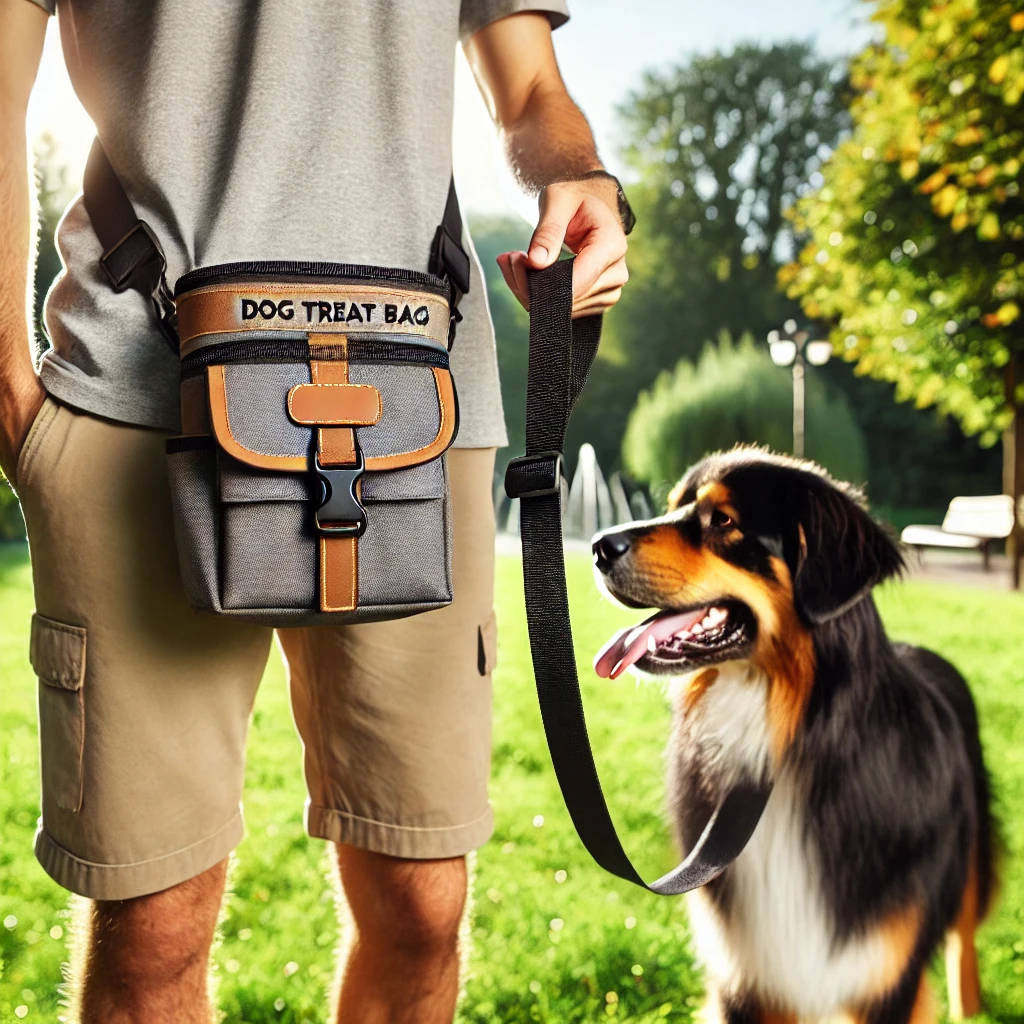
point(414, 408)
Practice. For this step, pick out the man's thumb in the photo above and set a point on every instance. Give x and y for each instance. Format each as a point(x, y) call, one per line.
point(546, 244)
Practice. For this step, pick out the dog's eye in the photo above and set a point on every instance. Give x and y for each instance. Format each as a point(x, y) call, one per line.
point(720, 519)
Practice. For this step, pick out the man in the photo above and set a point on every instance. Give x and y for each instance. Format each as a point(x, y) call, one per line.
point(261, 131)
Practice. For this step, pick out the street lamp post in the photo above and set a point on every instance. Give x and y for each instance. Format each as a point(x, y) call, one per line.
point(792, 347)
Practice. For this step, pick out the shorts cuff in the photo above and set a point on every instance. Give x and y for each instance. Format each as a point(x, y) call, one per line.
point(126, 881)
point(399, 840)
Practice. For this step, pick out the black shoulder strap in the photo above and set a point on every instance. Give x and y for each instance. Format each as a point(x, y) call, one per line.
point(448, 259)
point(561, 353)
point(132, 256)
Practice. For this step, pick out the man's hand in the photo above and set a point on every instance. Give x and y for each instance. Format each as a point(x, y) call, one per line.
point(583, 216)
point(548, 140)
point(17, 411)
point(22, 30)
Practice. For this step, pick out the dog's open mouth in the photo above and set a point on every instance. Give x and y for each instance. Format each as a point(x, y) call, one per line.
point(673, 642)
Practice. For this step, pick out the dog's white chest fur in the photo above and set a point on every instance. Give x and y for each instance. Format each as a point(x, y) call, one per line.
point(776, 938)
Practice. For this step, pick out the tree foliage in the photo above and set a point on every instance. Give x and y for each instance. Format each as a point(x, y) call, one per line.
point(722, 145)
point(735, 394)
point(917, 231)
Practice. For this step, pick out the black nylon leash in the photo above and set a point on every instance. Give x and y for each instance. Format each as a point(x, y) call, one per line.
point(562, 351)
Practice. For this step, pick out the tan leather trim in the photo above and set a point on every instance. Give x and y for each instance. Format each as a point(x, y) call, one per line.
point(299, 463)
point(218, 309)
point(339, 574)
point(339, 405)
point(218, 392)
point(445, 431)
point(336, 446)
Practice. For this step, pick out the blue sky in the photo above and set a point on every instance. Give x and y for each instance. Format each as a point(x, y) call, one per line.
point(603, 52)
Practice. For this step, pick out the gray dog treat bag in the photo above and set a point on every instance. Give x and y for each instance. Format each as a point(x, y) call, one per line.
point(309, 482)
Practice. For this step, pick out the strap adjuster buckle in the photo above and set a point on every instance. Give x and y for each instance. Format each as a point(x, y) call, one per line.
point(137, 261)
point(132, 253)
point(535, 476)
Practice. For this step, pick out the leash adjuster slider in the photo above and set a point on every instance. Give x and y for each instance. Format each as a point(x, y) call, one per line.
point(535, 476)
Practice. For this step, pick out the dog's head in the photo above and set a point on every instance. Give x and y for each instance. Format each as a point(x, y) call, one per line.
point(755, 552)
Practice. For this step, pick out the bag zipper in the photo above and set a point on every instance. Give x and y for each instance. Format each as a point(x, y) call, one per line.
point(295, 350)
point(282, 270)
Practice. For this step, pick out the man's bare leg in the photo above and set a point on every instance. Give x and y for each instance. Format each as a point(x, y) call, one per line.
point(146, 960)
point(402, 956)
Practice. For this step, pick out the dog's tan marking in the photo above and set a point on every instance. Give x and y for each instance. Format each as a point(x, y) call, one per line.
point(696, 687)
point(962, 981)
point(899, 934)
point(777, 1017)
point(674, 573)
point(787, 658)
point(675, 496)
point(717, 494)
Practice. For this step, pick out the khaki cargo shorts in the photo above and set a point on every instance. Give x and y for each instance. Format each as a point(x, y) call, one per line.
point(144, 704)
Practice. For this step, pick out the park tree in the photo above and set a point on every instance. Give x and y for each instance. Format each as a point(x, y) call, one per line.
point(722, 145)
point(734, 394)
point(917, 230)
point(719, 146)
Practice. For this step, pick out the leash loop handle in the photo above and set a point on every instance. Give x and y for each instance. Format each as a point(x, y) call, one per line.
point(562, 351)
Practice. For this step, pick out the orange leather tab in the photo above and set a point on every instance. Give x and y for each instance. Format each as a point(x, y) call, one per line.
point(335, 445)
point(339, 574)
point(346, 405)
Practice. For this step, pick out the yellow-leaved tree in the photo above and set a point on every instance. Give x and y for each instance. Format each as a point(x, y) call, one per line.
point(916, 250)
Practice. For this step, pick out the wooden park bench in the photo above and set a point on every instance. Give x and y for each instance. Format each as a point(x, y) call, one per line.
point(969, 523)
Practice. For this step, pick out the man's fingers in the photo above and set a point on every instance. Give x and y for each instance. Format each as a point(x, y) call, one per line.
point(513, 267)
point(557, 208)
point(504, 262)
point(614, 276)
point(603, 249)
point(599, 303)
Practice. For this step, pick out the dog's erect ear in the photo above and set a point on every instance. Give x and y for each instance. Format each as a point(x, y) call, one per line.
point(838, 552)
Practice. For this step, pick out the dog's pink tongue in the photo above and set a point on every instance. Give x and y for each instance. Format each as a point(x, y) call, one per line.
point(628, 646)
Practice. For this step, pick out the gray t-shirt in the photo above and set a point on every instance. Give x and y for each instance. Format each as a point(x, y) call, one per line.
point(306, 130)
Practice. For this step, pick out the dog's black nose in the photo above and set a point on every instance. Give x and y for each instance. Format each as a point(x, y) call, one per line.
point(608, 548)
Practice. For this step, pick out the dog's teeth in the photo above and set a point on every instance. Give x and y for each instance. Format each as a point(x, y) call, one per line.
point(697, 629)
point(652, 644)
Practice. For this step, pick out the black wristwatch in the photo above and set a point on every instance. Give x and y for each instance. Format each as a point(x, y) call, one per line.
point(626, 214)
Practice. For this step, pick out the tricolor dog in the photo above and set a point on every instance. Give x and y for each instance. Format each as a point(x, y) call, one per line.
point(877, 840)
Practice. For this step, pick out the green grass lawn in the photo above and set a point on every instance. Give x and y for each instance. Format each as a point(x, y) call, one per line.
point(554, 939)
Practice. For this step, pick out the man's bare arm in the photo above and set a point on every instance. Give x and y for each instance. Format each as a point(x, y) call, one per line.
point(22, 31)
point(547, 139)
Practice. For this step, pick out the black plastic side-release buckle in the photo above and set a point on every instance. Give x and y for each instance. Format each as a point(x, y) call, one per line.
point(339, 513)
point(535, 476)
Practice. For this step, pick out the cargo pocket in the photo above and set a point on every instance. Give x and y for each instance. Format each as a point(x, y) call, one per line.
point(57, 654)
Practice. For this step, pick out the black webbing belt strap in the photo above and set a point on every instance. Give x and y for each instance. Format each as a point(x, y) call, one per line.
point(133, 258)
point(561, 353)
